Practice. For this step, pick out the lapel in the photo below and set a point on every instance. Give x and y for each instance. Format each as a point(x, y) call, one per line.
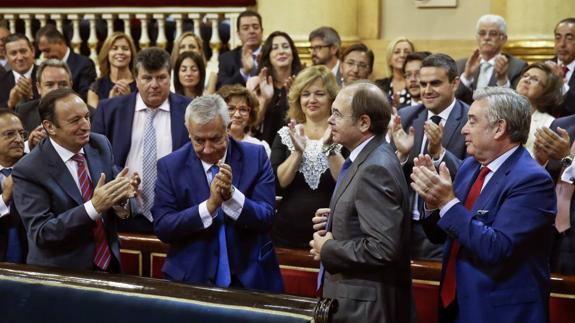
point(199, 190)
point(125, 113)
point(95, 166)
point(452, 124)
point(572, 80)
point(346, 180)
point(176, 121)
point(59, 172)
point(234, 159)
point(418, 123)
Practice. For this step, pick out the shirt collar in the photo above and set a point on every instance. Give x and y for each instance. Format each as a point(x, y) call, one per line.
point(335, 69)
point(355, 152)
point(491, 61)
point(64, 153)
point(28, 74)
point(207, 166)
point(140, 105)
point(443, 114)
point(495, 164)
point(67, 55)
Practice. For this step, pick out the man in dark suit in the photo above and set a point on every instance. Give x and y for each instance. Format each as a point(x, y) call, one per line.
point(432, 127)
point(144, 127)
point(496, 217)
point(237, 65)
point(325, 46)
point(364, 246)
point(4, 66)
point(66, 193)
point(13, 244)
point(565, 62)
point(215, 206)
point(52, 44)
point(488, 66)
point(18, 85)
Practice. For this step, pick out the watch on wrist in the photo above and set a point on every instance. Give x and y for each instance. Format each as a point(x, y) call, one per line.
point(328, 150)
point(567, 160)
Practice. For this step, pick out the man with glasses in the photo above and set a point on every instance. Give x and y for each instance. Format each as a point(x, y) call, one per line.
point(324, 49)
point(357, 63)
point(215, 206)
point(487, 65)
point(143, 127)
point(12, 233)
point(434, 128)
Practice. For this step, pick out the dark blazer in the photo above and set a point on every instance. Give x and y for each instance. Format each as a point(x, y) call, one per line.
point(83, 73)
point(8, 222)
point(30, 115)
point(114, 118)
point(230, 64)
point(367, 261)
point(567, 107)
point(60, 232)
point(7, 82)
point(563, 254)
point(193, 256)
point(503, 265)
point(465, 94)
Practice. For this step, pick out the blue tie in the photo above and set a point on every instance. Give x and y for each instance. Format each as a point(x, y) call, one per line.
point(14, 250)
point(342, 172)
point(223, 275)
point(149, 159)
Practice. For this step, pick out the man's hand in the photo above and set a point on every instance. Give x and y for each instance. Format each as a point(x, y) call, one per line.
point(434, 133)
point(224, 181)
point(403, 141)
point(550, 144)
point(248, 63)
point(435, 189)
point(7, 190)
point(501, 67)
point(21, 90)
point(319, 220)
point(36, 136)
point(472, 65)
point(135, 182)
point(317, 243)
point(115, 192)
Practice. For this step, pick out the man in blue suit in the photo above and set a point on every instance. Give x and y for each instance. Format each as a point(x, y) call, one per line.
point(432, 127)
point(144, 127)
point(498, 216)
point(214, 205)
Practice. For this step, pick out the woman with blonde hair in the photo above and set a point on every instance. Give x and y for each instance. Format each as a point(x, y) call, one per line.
point(190, 42)
point(116, 62)
point(304, 160)
point(394, 85)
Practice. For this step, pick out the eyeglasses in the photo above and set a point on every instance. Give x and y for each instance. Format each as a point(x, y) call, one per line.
point(532, 78)
point(243, 110)
point(360, 66)
point(336, 115)
point(317, 48)
point(12, 134)
point(491, 33)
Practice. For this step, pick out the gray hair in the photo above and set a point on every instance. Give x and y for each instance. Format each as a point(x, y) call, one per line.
point(492, 19)
point(52, 62)
point(506, 104)
point(206, 108)
point(328, 35)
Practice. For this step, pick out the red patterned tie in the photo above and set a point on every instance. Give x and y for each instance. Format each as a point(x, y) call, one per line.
point(102, 254)
point(449, 283)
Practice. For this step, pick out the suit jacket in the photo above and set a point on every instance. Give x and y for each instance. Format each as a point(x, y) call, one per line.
point(114, 117)
point(563, 254)
point(367, 262)
point(83, 73)
point(7, 82)
point(193, 256)
point(465, 94)
point(60, 232)
point(567, 107)
point(502, 266)
point(30, 115)
point(229, 68)
point(12, 221)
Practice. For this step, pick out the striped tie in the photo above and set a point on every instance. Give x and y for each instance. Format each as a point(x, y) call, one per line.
point(149, 159)
point(102, 253)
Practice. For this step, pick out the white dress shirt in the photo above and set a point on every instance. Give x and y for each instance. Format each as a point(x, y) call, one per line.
point(467, 82)
point(28, 75)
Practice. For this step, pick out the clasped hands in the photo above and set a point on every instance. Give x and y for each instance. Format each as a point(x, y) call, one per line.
point(434, 188)
point(115, 192)
point(221, 188)
point(321, 235)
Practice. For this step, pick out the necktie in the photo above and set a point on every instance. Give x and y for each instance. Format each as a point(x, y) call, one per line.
point(565, 70)
point(149, 159)
point(102, 253)
point(484, 75)
point(14, 248)
point(448, 286)
point(564, 193)
point(344, 168)
point(223, 274)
